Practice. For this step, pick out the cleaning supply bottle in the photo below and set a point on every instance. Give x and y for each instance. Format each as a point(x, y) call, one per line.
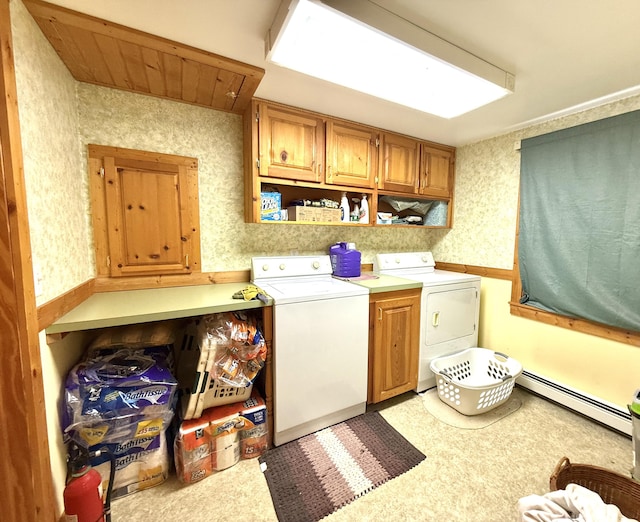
point(345, 260)
point(344, 207)
point(355, 213)
point(364, 210)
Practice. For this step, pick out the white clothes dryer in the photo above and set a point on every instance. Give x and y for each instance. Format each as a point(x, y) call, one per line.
point(449, 307)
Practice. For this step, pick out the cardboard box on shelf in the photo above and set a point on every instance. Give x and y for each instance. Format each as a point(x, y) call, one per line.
point(314, 214)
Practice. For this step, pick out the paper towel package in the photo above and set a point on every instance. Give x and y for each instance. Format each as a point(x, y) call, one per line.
point(220, 438)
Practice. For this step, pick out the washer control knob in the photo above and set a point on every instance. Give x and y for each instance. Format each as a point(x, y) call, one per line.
point(425, 259)
point(316, 265)
point(397, 260)
point(282, 266)
point(265, 267)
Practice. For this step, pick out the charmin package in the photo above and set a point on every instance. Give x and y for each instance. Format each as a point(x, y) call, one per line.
point(118, 384)
point(140, 463)
point(120, 401)
point(220, 438)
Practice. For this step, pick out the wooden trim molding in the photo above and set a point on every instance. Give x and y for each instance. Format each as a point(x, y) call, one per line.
point(576, 324)
point(494, 273)
point(115, 284)
point(53, 310)
point(27, 489)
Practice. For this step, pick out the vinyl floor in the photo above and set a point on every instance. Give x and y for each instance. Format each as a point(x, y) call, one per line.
point(470, 475)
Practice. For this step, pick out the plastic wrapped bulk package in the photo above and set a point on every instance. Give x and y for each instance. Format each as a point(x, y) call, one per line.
point(222, 417)
point(218, 361)
point(121, 399)
point(220, 438)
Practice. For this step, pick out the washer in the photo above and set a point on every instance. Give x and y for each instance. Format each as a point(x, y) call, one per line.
point(449, 307)
point(320, 344)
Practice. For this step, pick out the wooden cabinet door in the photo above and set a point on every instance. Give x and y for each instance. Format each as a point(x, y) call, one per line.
point(145, 212)
point(399, 163)
point(436, 173)
point(291, 144)
point(394, 344)
point(352, 155)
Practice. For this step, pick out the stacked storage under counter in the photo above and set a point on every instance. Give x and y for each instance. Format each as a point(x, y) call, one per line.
point(115, 315)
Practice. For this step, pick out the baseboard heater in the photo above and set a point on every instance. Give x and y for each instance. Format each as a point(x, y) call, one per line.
point(606, 413)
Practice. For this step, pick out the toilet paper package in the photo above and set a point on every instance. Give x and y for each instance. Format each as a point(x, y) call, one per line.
point(220, 438)
point(140, 464)
point(120, 401)
point(117, 385)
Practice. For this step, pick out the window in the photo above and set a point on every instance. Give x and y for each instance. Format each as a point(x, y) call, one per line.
point(578, 244)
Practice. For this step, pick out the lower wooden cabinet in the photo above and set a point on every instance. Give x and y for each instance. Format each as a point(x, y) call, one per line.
point(394, 337)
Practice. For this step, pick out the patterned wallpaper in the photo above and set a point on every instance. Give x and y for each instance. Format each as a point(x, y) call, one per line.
point(57, 193)
point(486, 191)
point(215, 138)
point(59, 117)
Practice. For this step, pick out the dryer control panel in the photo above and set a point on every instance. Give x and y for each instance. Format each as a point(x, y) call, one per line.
point(404, 260)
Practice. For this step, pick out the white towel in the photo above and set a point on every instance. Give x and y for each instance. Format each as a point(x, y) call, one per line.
point(573, 504)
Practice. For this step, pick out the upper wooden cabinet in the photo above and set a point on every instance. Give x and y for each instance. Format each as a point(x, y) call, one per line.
point(303, 155)
point(399, 163)
point(291, 144)
point(145, 212)
point(352, 154)
point(436, 171)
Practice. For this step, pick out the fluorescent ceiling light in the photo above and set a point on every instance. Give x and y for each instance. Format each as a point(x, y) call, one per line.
point(358, 44)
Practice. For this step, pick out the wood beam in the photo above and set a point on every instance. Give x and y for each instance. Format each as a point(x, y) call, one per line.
point(27, 490)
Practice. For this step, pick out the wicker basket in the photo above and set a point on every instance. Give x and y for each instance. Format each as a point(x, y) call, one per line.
point(612, 487)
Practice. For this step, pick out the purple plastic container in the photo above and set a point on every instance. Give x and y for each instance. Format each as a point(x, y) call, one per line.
point(345, 260)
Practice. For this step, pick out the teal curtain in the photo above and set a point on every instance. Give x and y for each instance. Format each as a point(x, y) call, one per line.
point(579, 240)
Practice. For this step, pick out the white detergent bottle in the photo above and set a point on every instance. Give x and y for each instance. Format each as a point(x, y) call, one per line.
point(344, 207)
point(364, 210)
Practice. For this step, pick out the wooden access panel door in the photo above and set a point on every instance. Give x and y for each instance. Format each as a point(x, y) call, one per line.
point(436, 172)
point(395, 344)
point(146, 210)
point(291, 144)
point(351, 155)
point(399, 163)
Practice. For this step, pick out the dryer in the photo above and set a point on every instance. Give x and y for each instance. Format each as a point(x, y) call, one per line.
point(449, 307)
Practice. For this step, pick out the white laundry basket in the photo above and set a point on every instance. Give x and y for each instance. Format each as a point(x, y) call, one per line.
point(475, 380)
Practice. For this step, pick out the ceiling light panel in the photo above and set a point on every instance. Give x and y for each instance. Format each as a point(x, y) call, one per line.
point(352, 43)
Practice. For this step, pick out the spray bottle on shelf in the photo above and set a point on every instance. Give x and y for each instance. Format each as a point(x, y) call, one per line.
point(355, 213)
point(344, 207)
point(364, 209)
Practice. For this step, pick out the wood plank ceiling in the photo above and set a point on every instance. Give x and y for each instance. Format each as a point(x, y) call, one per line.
point(103, 53)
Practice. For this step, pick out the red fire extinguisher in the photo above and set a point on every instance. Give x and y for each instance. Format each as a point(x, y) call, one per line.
point(83, 492)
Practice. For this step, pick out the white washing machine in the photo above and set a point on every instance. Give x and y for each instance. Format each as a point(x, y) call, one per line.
point(449, 307)
point(320, 344)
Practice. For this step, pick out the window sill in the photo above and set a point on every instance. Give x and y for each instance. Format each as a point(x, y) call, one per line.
point(578, 325)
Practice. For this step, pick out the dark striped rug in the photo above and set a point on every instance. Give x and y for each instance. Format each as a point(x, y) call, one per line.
point(313, 476)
